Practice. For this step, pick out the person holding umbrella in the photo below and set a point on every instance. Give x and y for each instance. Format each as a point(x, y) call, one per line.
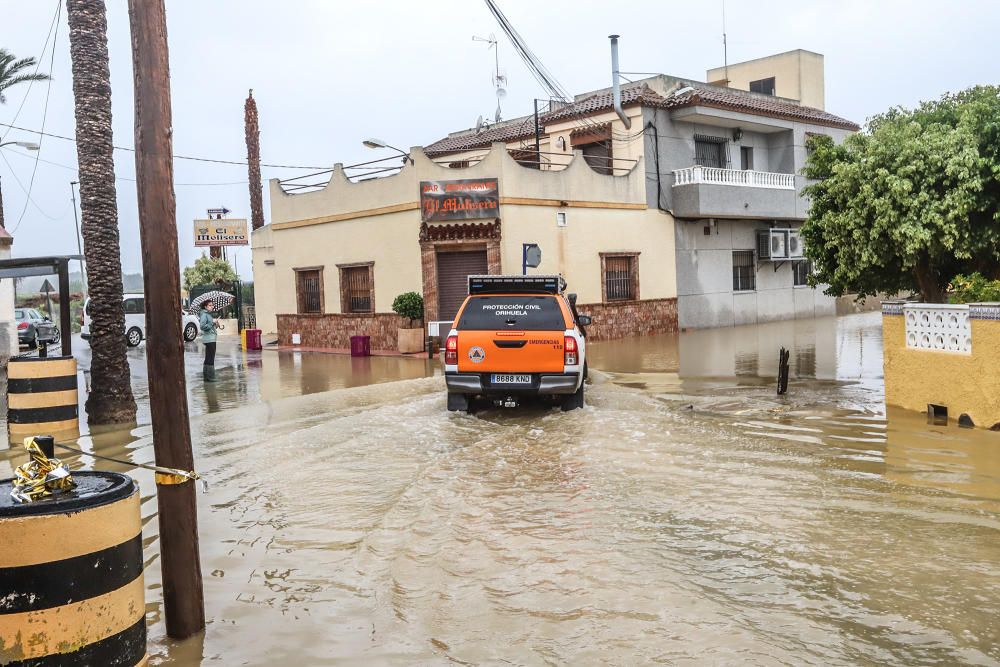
point(206, 322)
point(208, 325)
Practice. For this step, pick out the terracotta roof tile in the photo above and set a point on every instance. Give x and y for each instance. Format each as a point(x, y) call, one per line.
point(721, 98)
point(699, 95)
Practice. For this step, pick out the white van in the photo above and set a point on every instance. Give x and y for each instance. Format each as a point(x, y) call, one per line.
point(135, 321)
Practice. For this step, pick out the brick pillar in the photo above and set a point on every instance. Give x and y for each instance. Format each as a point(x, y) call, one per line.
point(428, 267)
point(493, 264)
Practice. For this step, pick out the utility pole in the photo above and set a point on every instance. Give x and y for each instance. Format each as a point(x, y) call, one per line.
point(183, 596)
point(76, 228)
point(538, 138)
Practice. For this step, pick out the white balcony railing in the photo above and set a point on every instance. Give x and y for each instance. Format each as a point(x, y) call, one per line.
point(738, 177)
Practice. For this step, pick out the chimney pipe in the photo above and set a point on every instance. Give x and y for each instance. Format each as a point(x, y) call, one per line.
point(616, 90)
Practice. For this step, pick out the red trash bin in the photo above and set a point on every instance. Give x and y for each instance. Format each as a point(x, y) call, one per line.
point(361, 346)
point(253, 339)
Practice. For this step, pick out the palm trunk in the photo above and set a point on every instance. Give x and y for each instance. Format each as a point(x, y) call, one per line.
point(253, 162)
point(110, 400)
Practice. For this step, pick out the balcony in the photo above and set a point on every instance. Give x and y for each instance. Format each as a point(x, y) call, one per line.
point(709, 192)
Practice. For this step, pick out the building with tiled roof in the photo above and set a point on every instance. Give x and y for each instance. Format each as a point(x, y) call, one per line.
point(680, 209)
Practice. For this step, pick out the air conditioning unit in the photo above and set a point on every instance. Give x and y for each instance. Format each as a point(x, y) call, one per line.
point(795, 246)
point(772, 244)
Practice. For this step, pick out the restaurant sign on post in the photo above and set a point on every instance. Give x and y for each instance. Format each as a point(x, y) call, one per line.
point(220, 232)
point(468, 199)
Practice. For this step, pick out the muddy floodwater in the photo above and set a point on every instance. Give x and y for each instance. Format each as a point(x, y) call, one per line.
point(687, 515)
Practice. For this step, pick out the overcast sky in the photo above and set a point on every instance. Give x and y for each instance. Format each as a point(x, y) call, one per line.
point(328, 74)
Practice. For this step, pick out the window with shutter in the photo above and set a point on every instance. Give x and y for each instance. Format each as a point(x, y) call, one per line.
point(309, 290)
point(357, 291)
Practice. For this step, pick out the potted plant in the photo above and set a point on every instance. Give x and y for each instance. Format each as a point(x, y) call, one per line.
point(410, 306)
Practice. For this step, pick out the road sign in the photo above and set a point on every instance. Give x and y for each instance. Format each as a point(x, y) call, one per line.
point(531, 257)
point(218, 211)
point(47, 287)
point(221, 232)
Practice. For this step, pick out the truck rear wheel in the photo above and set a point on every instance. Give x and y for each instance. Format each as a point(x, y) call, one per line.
point(574, 401)
point(458, 402)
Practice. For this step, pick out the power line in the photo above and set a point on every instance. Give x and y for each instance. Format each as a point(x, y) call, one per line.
point(25, 190)
point(45, 116)
point(38, 65)
point(125, 178)
point(176, 157)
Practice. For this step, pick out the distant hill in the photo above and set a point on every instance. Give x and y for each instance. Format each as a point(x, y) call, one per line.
point(132, 283)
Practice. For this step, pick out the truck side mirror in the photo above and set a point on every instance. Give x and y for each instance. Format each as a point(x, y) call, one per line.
point(583, 320)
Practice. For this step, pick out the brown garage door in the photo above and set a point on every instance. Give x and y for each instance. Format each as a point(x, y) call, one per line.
point(454, 269)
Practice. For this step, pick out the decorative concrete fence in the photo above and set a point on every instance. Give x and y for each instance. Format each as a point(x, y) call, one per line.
point(943, 358)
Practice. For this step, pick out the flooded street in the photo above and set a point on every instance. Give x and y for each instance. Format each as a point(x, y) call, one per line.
point(687, 515)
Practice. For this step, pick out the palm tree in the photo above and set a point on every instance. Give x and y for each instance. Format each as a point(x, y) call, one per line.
point(110, 400)
point(253, 161)
point(13, 72)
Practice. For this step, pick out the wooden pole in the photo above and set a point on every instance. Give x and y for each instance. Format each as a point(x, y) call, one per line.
point(178, 514)
point(65, 325)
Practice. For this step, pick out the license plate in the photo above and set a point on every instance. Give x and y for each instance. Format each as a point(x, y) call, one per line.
point(511, 379)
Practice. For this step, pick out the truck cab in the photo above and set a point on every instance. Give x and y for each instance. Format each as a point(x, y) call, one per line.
point(514, 337)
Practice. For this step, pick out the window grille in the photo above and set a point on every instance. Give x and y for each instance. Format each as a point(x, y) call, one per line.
point(619, 278)
point(309, 291)
point(744, 271)
point(357, 289)
point(711, 151)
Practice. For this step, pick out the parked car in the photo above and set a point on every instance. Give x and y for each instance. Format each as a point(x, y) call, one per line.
point(34, 328)
point(516, 336)
point(135, 321)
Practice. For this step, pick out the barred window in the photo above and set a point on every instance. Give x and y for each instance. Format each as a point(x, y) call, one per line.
point(710, 151)
point(357, 290)
point(621, 277)
point(309, 290)
point(800, 273)
point(744, 271)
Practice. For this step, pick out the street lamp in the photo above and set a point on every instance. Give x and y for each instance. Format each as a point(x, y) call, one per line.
point(378, 143)
point(27, 145)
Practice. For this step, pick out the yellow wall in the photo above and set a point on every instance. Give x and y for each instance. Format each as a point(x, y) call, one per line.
point(574, 250)
point(379, 221)
point(968, 383)
point(798, 75)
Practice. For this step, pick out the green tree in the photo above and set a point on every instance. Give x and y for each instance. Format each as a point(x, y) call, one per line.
point(14, 71)
point(208, 271)
point(910, 203)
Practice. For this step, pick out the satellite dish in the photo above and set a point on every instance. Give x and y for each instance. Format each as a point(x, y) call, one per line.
point(479, 124)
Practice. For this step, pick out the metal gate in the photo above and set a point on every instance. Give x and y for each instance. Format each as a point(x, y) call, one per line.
point(242, 309)
point(453, 271)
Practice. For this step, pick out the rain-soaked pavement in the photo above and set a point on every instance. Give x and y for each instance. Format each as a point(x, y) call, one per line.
point(688, 515)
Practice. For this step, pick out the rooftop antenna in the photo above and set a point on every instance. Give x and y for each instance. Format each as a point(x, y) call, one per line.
point(725, 54)
point(499, 80)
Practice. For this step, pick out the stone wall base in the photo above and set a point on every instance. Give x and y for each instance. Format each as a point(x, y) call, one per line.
point(630, 318)
point(334, 330)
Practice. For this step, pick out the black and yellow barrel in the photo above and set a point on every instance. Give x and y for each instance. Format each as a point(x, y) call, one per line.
point(71, 584)
point(42, 397)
